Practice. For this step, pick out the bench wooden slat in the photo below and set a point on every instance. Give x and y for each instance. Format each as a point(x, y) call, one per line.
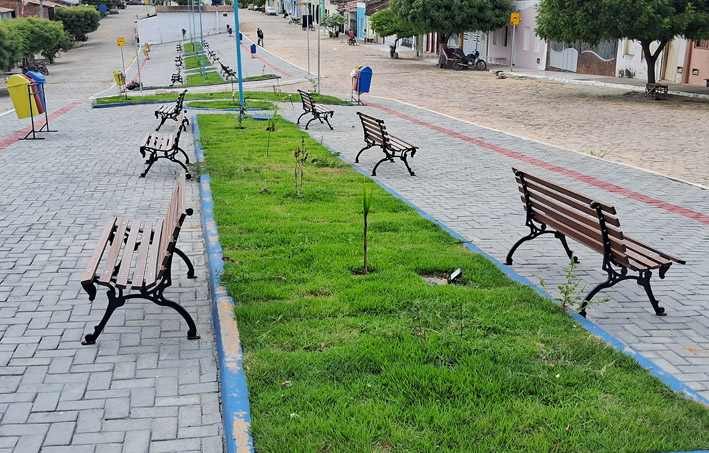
point(127, 258)
point(90, 271)
point(634, 244)
point(139, 270)
point(151, 267)
point(114, 252)
point(582, 198)
point(552, 205)
point(581, 203)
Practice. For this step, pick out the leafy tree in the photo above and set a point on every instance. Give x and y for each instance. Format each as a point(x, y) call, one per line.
point(10, 54)
point(453, 16)
point(646, 21)
point(332, 23)
point(38, 36)
point(387, 23)
point(80, 20)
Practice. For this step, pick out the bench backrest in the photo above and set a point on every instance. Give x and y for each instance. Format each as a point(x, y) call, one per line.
point(307, 99)
point(180, 101)
point(374, 129)
point(578, 217)
point(177, 211)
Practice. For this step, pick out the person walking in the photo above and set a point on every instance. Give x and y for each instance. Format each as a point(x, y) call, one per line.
point(184, 34)
point(228, 29)
point(259, 33)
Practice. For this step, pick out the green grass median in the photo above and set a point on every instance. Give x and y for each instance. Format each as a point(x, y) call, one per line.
point(340, 361)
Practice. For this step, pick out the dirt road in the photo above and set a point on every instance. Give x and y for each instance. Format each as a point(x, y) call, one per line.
point(668, 137)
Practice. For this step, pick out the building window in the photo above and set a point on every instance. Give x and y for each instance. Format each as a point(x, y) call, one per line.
point(629, 47)
point(525, 38)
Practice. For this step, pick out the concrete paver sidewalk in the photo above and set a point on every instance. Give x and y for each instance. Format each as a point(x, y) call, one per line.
point(143, 386)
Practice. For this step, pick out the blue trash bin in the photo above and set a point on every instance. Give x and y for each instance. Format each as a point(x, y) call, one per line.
point(40, 80)
point(253, 49)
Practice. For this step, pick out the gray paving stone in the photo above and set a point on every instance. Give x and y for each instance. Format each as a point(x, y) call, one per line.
point(60, 433)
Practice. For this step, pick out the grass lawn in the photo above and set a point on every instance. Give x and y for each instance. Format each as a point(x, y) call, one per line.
point(248, 95)
point(212, 78)
point(344, 362)
point(228, 104)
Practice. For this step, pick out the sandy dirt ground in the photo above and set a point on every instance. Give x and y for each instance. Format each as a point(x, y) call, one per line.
point(668, 137)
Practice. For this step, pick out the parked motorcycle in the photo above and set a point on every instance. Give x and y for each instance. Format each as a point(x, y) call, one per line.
point(472, 60)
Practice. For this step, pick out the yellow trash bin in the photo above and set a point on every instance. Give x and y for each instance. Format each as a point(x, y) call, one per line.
point(120, 78)
point(25, 105)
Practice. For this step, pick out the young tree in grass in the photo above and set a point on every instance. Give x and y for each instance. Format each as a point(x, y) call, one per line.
point(10, 54)
point(453, 16)
point(80, 20)
point(366, 204)
point(387, 23)
point(646, 21)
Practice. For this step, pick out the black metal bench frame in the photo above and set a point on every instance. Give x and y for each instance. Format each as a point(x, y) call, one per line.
point(319, 112)
point(162, 146)
point(656, 90)
point(153, 245)
point(593, 224)
point(166, 112)
point(375, 134)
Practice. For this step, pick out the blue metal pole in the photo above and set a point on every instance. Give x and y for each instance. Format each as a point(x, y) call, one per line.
point(201, 39)
point(238, 52)
point(194, 29)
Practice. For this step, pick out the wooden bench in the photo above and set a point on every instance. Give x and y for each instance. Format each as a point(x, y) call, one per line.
point(656, 90)
point(170, 111)
point(227, 72)
point(136, 255)
point(319, 112)
point(375, 134)
point(177, 77)
point(559, 211)
point(165, 146)
point(178, 48)
point(178, 61)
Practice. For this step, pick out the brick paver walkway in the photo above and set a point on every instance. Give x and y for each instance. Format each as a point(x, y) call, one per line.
point(145, 387)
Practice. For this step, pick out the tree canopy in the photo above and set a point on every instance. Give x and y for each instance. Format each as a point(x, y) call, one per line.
point(646, 21)
point(10, 54)
point(37, 36)
point(79, 20)
point(387, 23)
point(453, 16)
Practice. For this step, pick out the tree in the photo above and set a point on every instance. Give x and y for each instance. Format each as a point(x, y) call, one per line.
point(10, 54)
point(646, 21)
point(38, 36)
point(79, 20)
point(387, 23)
point(333, 22)
point(453, 16)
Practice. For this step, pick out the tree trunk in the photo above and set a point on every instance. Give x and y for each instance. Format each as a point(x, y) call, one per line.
point(651, 58)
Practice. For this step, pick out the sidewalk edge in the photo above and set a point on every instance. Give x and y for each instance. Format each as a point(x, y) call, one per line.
point(234, 391)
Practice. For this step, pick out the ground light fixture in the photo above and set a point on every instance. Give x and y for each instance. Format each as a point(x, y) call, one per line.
point(455, 275)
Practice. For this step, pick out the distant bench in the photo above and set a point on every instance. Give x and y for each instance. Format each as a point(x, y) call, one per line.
point(319, 112)
point(165, 146)
point(656, 90)
point(137, 256)
point(375, 134)
point(170, 111)
point(593, 224)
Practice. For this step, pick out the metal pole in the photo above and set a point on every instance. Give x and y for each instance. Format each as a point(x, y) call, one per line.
point(194, 31)
point(319, 20)
point(123, 65)
point(512, 50)
point(137, 61)
point(238, 52)
point(307, 31)
point(201, 39)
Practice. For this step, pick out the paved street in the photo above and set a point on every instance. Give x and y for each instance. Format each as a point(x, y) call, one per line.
point(144, 386)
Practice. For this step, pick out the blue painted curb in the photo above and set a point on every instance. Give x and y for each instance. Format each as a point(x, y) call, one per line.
point(234, 391)
point(644, 362)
